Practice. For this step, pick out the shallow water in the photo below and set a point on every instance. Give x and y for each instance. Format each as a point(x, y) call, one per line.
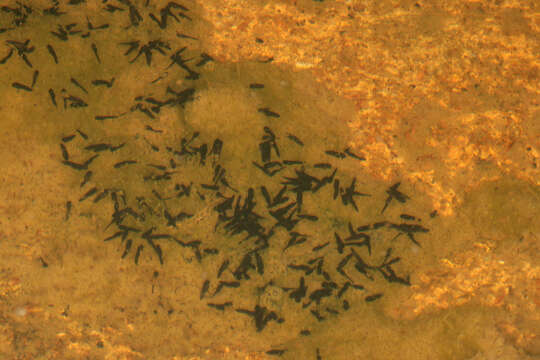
point(162, 204)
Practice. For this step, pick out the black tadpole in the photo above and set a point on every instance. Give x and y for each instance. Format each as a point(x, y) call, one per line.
point(393, 193)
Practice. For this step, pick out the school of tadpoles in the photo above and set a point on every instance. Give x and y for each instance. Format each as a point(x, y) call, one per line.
point(174, 181)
